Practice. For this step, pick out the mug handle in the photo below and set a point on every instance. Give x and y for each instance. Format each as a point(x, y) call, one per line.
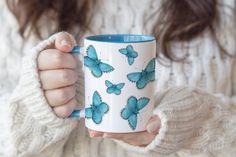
point(77, 49)
point(80, 113)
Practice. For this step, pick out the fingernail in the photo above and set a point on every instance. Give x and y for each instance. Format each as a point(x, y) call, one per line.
point(153, 127)
point(65, 42)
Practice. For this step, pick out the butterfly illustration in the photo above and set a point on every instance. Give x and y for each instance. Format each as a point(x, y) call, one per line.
point(94, 64)
point(129, 53)
point(145, 76)
point(132, 109)
point(114, 88)
point(97, 109)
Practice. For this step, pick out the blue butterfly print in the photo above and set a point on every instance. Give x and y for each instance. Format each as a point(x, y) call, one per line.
point(129, 53)
point(94, 64)
point(114, 88)
point(132, 109)
point(145, 76)
point(97, 109)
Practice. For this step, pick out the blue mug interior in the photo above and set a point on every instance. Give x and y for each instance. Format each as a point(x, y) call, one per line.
point(121, 38)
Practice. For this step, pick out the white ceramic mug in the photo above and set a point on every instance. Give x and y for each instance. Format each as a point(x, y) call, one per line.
point(119, 82)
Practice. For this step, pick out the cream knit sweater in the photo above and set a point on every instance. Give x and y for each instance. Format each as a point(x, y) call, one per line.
point(194, 98)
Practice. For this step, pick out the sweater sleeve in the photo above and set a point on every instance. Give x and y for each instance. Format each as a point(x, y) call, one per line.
point(191, 120)
point(31, 126)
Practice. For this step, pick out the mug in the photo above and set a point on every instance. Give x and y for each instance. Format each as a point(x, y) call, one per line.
point(119, 74)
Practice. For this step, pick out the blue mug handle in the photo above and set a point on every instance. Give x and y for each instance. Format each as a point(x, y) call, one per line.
point(76, 49)
point(80, 113)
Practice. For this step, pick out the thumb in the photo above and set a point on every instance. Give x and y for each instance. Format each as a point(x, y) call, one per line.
point(153, 125)
point(64, 42)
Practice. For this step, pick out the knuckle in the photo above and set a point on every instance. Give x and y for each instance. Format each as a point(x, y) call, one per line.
point(58, 59)
point(69, 76)
point(72, 90)
point(73, 62)
point(69, 61)
point(63, 95)
point(66, 76)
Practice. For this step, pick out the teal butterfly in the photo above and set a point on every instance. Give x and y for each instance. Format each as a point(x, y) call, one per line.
point(94, 64)
point(97, 109)
point(129, 53)
point(132, 109)
point(145, 76)
point(114, 88)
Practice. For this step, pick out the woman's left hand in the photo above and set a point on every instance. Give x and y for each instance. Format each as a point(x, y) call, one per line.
point(138, 138)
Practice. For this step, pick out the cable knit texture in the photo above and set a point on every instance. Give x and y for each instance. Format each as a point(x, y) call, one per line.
point(195, 99)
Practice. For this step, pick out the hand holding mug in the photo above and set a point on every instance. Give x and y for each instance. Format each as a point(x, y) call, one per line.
point(141, 139)
point(58, 75)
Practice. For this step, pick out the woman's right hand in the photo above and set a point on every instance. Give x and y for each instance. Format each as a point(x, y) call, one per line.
point(57, 71)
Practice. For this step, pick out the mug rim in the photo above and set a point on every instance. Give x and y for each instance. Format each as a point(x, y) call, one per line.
point(121, 38)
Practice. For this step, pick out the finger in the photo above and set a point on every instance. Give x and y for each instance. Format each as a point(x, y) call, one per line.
point(52, 79)
point(54, 59)
point(60, 96)
point(153, 125)
point(123, 136)
point(65, 110)
point(65, 42)
point(93, 133)
point(116, 135)
point(138, 138)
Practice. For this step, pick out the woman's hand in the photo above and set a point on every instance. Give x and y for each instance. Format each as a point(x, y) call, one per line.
point(58, 76)
point(137, 139)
